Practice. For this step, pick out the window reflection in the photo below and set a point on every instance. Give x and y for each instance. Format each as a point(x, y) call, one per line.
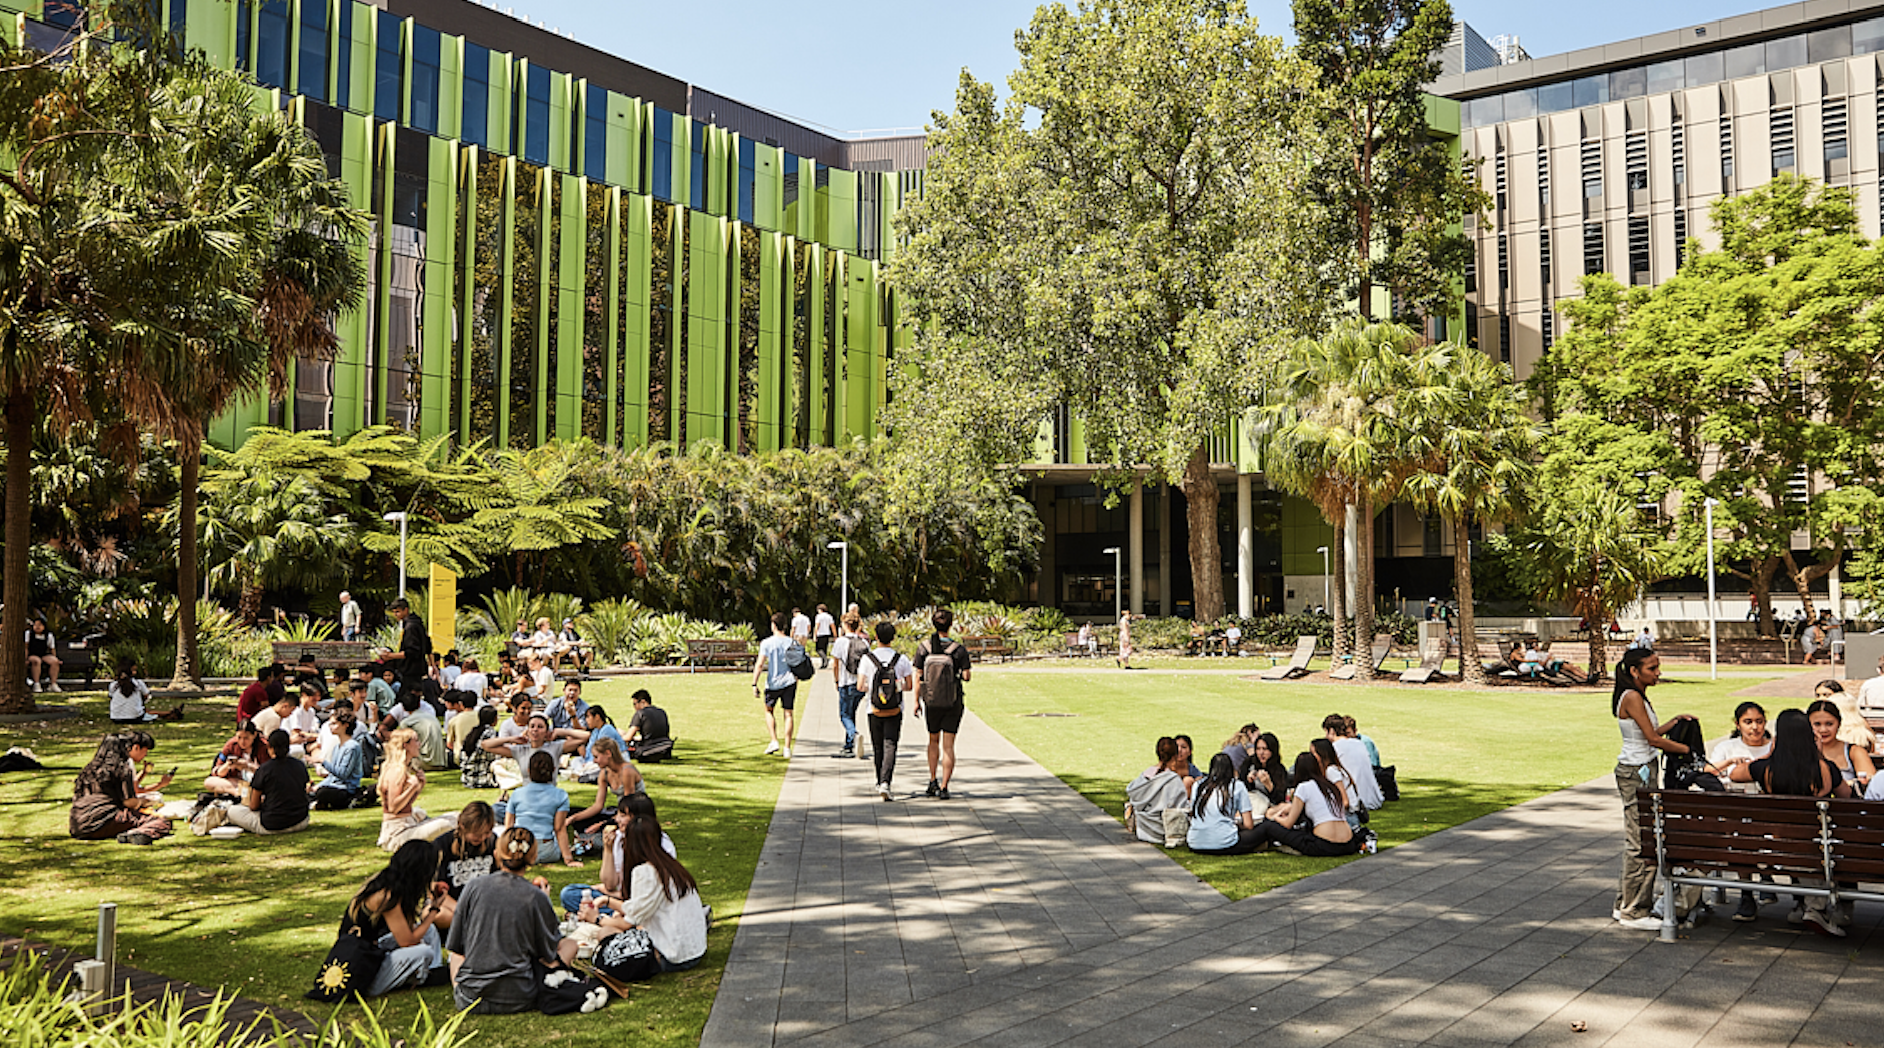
point(660, 320)
point(550, 389)
point(313, 70)
point(1589, 90)
point(483, 402)
point(1867, 37)
point(536, 119)
point(1785, 53)
point(595, 133)
point(425, 44)
point(661, 163)
point(1628, 83)
point(1666, 76)
point(521, 375)
point(271, 44)
point(389, 70)
point(474, 123)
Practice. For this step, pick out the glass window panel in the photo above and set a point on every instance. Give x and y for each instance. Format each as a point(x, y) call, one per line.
point(595, 133)
point(1554, 98)
point(476, 105)
point(747, 173)
point(1628, 83)
point(1589, 90)
point(343, 56)
point(1485, 111)
point(697, 170)
point(179, 17)
point(1666, 76)
point(66, 14)
point(1867, 36)
point(661, 179)
point(244, 14)
point(525, 296)
point(1746, 61)
point(536, 120)
point(425, 44)
point(1520, 104)
point(313, 66)
point(1785, 53)
point(1824, 45)
point(1709, 68)
point(271, 44)
point(389, 71)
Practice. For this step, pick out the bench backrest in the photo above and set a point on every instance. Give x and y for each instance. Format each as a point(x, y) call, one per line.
point(718, 646)
point(1383, 643)
point(1721, 832)
point(323, 653)
point(1435, 654)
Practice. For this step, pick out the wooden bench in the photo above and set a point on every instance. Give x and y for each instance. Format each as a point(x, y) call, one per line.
point(1700, 839)
point(1077, 650)
point(981, 648)
point(708, 653)
point(324, 654)
point(78, 658)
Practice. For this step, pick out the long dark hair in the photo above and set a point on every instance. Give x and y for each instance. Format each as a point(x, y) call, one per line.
point(406, 880)
point(1625, 676)
point(1325, 749)
point(127, 677)
point(1309, 770)
point(643, 844)
point(111, 763)
point(1741, 711)
point(1794, 767)
point(1279, 777)
point(487, 721)
point(1217, 784)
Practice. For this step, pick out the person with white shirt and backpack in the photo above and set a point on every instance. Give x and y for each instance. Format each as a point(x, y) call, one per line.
point(944, 667)
point(884, 675)
point(846, 655)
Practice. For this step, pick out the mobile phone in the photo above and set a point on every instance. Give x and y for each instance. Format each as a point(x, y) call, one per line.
point(172, 773)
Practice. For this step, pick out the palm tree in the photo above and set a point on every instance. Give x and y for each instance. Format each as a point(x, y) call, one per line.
point(261, 533)
point(1589, 548)
point(1479, 442)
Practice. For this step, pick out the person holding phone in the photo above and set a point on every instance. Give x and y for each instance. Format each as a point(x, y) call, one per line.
point(398, 909)
point(108, 801)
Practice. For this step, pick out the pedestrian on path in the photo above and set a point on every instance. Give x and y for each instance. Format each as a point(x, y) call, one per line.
point(1642, 737)
point(801, 628)
point(823, 630)
point(846, 654)
point(772, 680)
point(945, 668)
point(349, 616)
point(1125, 640)
point(885, 674)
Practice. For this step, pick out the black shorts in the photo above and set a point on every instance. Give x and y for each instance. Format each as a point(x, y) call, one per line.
point(786, 696)
point(947, 720)
point(824, 645)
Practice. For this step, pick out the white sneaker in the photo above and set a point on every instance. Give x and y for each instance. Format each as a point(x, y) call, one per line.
point(883, 790)
point(1641, 924)
point(771, 747)
point(1823, 922)
point(35, 687)
point(786, 753)
point(53, 687)
point(1615, 915)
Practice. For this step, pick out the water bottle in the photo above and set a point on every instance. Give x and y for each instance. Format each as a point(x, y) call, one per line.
point(588, 900)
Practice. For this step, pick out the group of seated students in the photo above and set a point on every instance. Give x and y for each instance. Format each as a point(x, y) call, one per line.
point(1248, 801)
point(553, 646)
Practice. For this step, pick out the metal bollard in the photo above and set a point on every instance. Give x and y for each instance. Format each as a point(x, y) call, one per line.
point(106, 950)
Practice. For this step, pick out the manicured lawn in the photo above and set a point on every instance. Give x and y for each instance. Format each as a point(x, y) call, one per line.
point(256, 915)
point(1460, 754)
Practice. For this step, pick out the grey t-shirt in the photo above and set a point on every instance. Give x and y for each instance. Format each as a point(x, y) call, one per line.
point(503, 926)
point(522, 751)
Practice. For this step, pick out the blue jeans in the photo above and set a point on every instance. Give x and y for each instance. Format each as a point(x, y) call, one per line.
point(571, 897)
point(403, 964)
point(849, 696)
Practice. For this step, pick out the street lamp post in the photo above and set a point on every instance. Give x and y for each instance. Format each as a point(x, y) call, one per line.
point(1323, 550)
point(1713, 613)
point(844, 604)
point(400, 516)
point(1118, 584)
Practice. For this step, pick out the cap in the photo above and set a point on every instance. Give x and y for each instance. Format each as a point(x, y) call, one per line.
point(400, 604)
point(569, 622)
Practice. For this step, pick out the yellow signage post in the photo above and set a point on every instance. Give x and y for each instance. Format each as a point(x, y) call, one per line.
point(442, 617)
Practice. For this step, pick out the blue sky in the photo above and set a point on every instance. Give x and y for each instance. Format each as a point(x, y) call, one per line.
point(857, 65)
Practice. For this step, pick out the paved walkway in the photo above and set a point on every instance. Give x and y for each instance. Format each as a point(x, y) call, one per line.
point(1017, 913)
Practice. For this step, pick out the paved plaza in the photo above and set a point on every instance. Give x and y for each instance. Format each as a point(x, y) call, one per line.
point(1017, 913)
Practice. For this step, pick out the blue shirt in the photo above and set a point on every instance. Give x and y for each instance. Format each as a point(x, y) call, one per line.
point(561, 716)
point(608, 732)
point(778, 675)
point(344, 768)
point(1213, 828)
point(535, 805)
point(381, 694)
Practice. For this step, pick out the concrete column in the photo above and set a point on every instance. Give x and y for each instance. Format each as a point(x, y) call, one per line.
point(1137, 545)
point(1047, 585)
point(1166, 572)
point(1245, 550)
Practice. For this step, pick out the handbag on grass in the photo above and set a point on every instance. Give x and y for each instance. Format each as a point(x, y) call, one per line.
point(351, 965)
point(626, 957)
point(563, 990)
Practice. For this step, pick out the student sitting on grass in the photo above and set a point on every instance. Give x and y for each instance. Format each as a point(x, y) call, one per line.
point(615, 855)
point(276, 798)
point(398, 910)
point(401, 780)
point(660, 926)
point(1237, 747)
point(236, 761)
point(503, 931)
point(617, 775)
point(1222, 817)
point(465, 854)
point(542, 807)
point(1318, 801)
point(345, 765)
point(106, 804)
point(1157, 790)
point(129, 695)
point(474, 761)
point(1268, 780)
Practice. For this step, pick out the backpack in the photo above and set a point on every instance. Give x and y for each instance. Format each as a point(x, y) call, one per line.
point(799, 663)
point(941, 686)
point(854, 649)
point(883, 696)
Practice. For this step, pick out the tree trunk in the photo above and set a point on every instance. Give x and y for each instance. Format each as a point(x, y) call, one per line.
point(250, 606)
point(1364, 591)
point(1599, 650)
point(20, 412)
point(1200, 512)
point(188, 674)
point(1471, 669)
point(1760, 579)
point(1338, 603)
point(1802, 579)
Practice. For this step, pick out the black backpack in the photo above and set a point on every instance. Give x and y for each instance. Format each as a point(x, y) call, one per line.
point(883, 695)
point(799, 663)
point(940, 683)
point(854, 649)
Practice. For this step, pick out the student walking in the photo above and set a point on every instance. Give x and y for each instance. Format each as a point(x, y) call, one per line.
point(945, 666)
point(884, 675)
point(823, 630)
point(774, 682)
point(846, 655)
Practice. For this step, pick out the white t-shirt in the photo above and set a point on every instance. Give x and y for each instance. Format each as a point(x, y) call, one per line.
point(127, 707)
point(1730, 747)
point(543, 640)
point(302, 719)
point(350, 615)
point(824, 626)
point(801, 627)
point(448, 675)
point(474, 682)
point(1871, 693)
point(1366, 791)
point(897, 664)
point(840, 651)
point(267, 721)
point(1316, 806)
point(543, 677)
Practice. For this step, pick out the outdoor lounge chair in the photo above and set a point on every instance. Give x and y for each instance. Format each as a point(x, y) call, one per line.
point(1432, 661)
point(1297, 666)
point(1383, 643)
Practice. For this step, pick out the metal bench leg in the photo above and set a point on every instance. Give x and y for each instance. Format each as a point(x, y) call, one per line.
point(1661, 868)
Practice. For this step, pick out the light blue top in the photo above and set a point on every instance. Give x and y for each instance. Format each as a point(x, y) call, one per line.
point(1373, 751)
point(535, 805)
point(1213, 829)
point(607, 732)
point(344, 767)
point(380, 693)
point(778, 675)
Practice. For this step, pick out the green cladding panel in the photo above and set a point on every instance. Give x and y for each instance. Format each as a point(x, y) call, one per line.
point(572, 274)
point(436, 306)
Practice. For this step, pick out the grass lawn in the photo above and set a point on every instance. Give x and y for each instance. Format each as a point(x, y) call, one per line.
point(256, 915)
point(1460, 754)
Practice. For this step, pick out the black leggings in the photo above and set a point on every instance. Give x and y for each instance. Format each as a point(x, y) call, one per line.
point(885, 732)
point(1247, 841)
point(1303, 841)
